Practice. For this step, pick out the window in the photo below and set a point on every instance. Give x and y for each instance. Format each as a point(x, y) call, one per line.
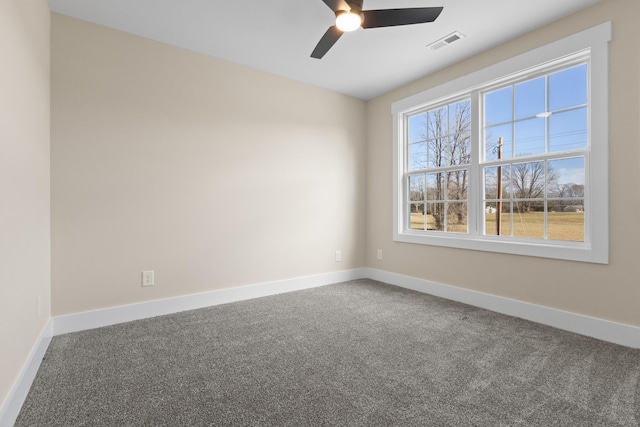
point(534, 147)
point(439, 153)
point(512, 158)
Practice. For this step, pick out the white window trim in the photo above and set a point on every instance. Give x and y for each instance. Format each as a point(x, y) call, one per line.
point(596, 247)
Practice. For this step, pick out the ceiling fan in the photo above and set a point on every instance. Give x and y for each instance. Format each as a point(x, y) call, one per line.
point(350, 16)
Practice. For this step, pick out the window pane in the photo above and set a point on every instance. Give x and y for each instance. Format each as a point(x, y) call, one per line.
point(506, 182)
point(530, 98)
point(565, 178)
point(452, 150)
point(498, 106)
point(416, 188)
point(435, 216)
point(568, 130)
point(566, 220)
point(492, 142)
point(437, 123)
point(491, 219)
point(435, 186)
point(491, 182)
point(529, 137)
point(438, 152)
point(417, 156)
point(460, 118)
point(418, 127)
point(416, 216)
point(460, 149)
point(457, 185)
point(528, 219)
point(566, 205)
point(444, 154)
point(448, 151)
point(527, 181)
point(568, 88)
point(457, 217)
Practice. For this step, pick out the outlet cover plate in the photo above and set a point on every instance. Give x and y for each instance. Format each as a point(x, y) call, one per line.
point(148, 278)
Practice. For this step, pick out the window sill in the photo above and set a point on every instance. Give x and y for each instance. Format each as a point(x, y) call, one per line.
point(570, 251)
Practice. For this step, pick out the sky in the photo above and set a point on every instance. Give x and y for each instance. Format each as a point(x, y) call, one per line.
point(521, 115)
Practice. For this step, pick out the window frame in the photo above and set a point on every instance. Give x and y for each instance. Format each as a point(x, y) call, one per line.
point(591, 43)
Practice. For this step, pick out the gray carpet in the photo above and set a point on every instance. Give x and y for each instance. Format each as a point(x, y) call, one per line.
point(350, 354)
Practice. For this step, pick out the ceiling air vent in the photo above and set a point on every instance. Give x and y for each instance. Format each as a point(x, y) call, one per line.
point(456, 35)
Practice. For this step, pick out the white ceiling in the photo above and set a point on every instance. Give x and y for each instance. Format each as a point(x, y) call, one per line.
point(278, 36)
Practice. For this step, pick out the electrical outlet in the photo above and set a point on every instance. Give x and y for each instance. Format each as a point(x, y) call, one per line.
point(148, 278)
point(338, 256)
point(379, 254)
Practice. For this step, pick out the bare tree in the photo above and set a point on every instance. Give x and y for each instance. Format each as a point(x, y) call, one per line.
point(528, 182)
point(576, 190)
point(564, 192)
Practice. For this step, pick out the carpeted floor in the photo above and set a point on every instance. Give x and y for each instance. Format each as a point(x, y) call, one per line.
point(350, 354)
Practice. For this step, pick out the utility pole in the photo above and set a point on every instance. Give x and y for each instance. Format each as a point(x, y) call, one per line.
point(499, 204)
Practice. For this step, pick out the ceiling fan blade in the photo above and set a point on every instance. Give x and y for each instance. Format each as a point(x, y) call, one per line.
point(355, 5)
point(393, 17)
point(336, 5)
point(329, 39)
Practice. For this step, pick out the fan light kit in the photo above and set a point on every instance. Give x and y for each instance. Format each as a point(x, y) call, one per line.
point(347, 21)
point(350, 17)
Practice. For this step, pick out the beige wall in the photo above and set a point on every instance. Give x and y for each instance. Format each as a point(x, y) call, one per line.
point(215, 175)
point(606, 291)
point(212, 174)
point(24, 183)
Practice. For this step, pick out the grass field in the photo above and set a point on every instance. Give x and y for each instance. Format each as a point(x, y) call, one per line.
point(560, 225)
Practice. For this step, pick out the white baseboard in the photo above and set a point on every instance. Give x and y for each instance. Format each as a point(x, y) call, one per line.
point(605, 330)
point(18, 393)
point(126, 313)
